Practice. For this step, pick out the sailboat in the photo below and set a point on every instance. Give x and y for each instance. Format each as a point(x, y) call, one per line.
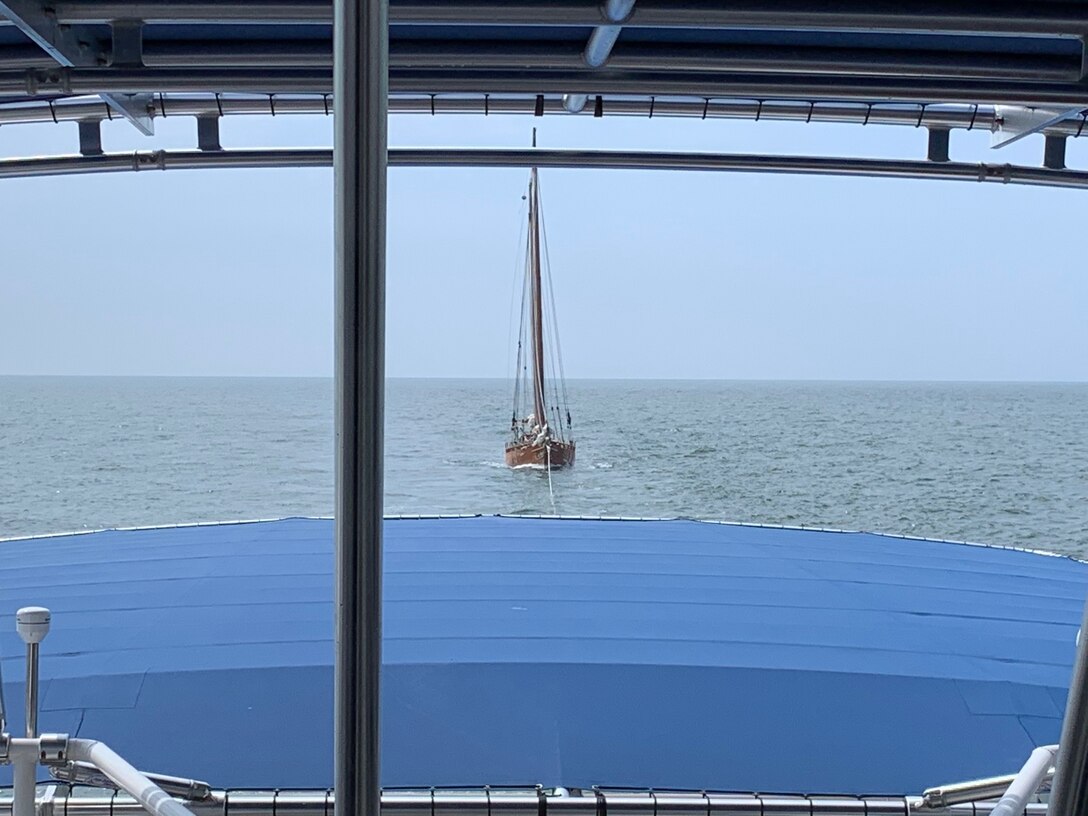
point(538, 436)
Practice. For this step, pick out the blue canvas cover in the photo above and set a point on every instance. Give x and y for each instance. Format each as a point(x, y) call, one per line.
point(666, 654)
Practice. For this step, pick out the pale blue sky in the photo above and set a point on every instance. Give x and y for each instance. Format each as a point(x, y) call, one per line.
point(687, 275)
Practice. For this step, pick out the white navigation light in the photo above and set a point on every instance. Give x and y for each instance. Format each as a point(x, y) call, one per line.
point(32, 623)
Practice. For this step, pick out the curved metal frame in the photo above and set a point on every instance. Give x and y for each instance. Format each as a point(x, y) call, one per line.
point(586, 159)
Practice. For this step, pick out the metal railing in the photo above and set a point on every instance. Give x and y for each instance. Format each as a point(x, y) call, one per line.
point(25, 754)
point(156, 160)
point(84, 767)
point(515, 802)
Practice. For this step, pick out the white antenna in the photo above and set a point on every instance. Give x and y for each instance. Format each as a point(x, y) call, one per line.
point(32, 624)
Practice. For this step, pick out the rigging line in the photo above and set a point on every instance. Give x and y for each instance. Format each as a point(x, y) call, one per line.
point(520, 373)
point(513, 297)
point(555, 319)
point(521, 383)
point(548, 465)
point(554, 312)
point(554, 358)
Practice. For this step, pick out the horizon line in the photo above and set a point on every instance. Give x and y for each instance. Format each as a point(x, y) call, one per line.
point(329, 377)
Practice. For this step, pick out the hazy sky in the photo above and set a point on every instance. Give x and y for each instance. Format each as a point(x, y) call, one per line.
point(657, 274)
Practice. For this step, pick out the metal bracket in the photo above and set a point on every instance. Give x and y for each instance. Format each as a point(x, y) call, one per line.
point(53, 749)
point(84, 773)
point(1054, 152)
point(73, 46)
point(599, 47)
point(938, 145)
point(1013, 123)
point(5, 747)
point(128, 44)
point(90, 138)
point(207, 133)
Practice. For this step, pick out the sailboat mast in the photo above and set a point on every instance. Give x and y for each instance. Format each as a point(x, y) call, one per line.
point(537, 301)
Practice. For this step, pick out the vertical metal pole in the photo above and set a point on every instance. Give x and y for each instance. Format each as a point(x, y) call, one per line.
point(31, 690)
point(24, 779)
point(1069, 792)
point(361, 101)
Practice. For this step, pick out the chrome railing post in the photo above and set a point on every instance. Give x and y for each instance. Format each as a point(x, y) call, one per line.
point(1069, 794)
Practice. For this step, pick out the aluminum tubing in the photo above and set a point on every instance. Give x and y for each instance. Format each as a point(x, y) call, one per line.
point(989, 17)
point(153, 798)
point(360, 161)
point(1026, 783)
point(24, 756)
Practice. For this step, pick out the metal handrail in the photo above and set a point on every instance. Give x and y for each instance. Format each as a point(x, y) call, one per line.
point(529, 801)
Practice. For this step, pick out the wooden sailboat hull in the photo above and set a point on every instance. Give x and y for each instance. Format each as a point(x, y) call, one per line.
point(551, 455)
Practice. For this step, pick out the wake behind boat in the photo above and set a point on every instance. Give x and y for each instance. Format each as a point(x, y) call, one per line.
point(538, 437)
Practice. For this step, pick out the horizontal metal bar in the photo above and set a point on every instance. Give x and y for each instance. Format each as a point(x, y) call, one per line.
point(975, 790)
point(1025, 17)
point(69, 81)
point(318, 54)
point(585, 159)
point(967, 117)
point(568, 56)
point(754, 86)
point(524, 802)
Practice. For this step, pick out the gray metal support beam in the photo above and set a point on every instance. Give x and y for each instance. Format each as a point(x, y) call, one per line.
point(548, 55)
point(67, 81)
point(1069, 792)
point(985, 17)
point(600, 45)
point(73, 46)
point(361, 87)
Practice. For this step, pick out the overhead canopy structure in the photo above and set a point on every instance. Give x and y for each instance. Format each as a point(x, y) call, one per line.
point(1006, 66)
point(998, 52)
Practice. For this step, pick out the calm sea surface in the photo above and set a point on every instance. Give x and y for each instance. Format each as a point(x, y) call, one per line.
point(995, 463)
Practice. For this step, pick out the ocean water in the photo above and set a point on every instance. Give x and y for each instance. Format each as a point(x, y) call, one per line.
point(992, 463)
